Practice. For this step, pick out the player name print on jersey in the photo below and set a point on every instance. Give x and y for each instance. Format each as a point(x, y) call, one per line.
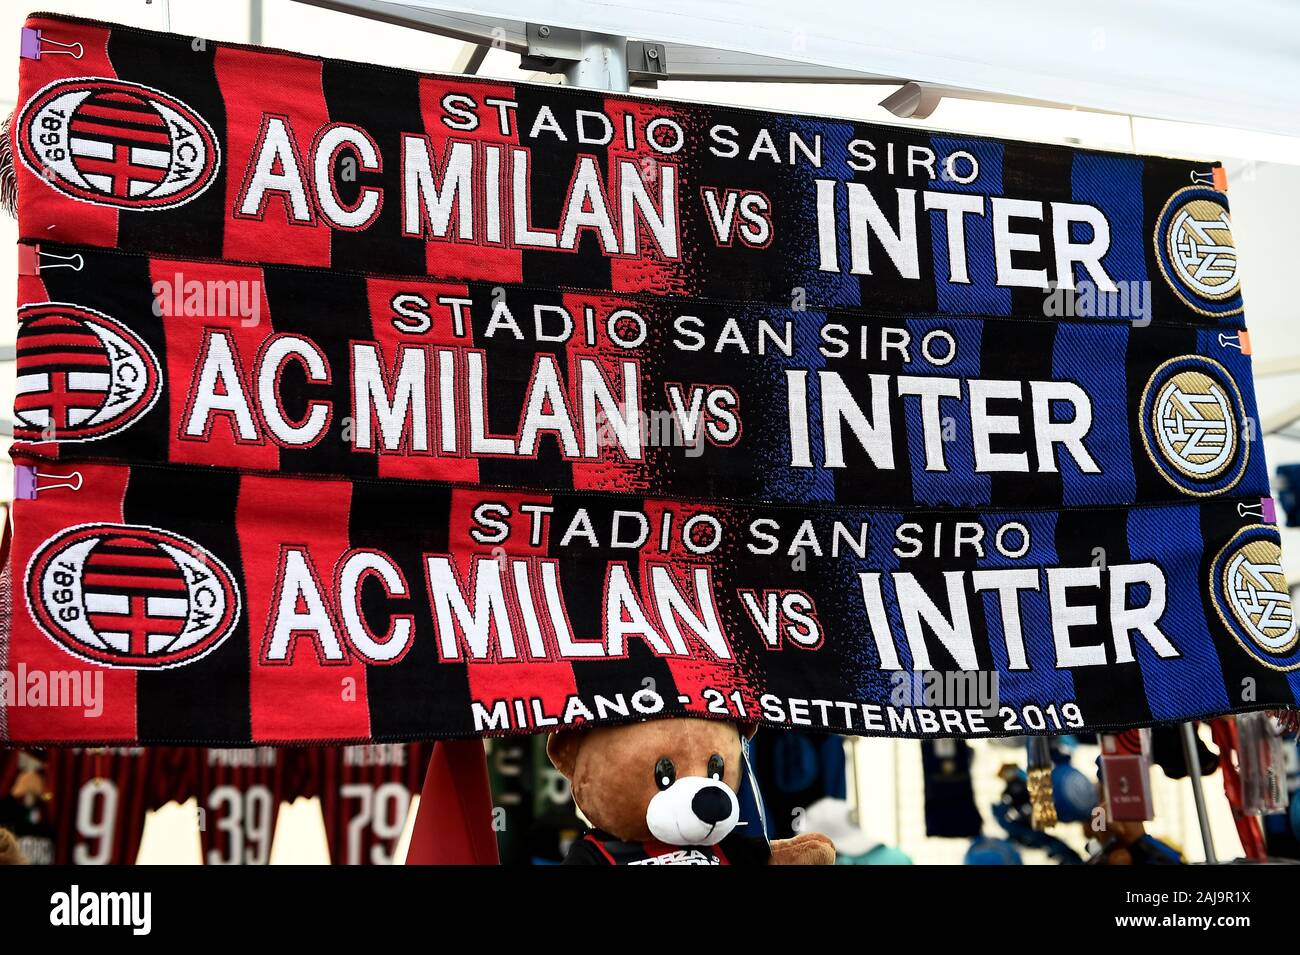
point(239, 792)
point(372, 168)
point(459, 612)
point(343, 374)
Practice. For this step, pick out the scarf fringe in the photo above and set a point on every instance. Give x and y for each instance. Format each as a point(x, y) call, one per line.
point(8, 175)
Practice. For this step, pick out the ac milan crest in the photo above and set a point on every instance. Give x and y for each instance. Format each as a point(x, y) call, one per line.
point(129, 596)
point(81, 375)
point(117, 144)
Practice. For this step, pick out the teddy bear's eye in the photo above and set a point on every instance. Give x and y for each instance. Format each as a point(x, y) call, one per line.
point(716, 766)
point(665, 773)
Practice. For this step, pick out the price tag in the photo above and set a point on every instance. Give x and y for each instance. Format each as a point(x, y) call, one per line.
point(1126, 773)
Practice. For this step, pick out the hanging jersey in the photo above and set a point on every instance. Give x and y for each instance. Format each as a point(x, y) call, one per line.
point(365, 795)
point(239, 793)
point(794, 770)
point(99, 801)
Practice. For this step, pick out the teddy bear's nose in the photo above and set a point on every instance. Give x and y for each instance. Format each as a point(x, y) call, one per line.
point(711, 804)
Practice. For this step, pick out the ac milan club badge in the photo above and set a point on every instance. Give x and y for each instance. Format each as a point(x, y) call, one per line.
point(1197, 255)
point(117, 144)
point(81, 375)
point(1250, 595)
point(1191, 420)
point(131, 597)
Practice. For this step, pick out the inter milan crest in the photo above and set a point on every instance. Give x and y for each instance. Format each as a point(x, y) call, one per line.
point(1250, 594)
point(1196, 253)
point(130, 596)
point(117, 144)
point(1191, 425)
point(81, 375)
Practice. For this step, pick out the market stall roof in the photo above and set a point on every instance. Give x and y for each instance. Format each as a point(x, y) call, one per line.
point(1165, 59)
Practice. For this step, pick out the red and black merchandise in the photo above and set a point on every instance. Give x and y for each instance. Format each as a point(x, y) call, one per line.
point(99, 799)
point(95, 801)
point(239, 793)
point(370, 466)
point(365, 795)
point(527, 430)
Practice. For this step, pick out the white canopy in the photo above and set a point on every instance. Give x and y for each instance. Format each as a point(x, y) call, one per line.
point(1235, 65)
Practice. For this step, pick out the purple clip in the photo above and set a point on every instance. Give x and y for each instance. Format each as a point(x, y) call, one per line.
point(1268, 510)
point(29, 47)
point(26, 488)
point(24, 483)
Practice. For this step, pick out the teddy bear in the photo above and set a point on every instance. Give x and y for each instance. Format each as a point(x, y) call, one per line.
point(663, 792)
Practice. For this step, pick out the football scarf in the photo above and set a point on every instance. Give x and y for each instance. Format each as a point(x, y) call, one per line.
point(404, 610)
point(376, 406)
point(336, 374)
point(600, 848)
point(155, 142)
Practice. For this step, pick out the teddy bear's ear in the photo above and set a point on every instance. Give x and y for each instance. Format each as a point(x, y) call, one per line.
point(562, 748)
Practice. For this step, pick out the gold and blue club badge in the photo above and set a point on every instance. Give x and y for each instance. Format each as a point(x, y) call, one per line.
point(1249, 591)
point(1196, 252)
point(1192, 425)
